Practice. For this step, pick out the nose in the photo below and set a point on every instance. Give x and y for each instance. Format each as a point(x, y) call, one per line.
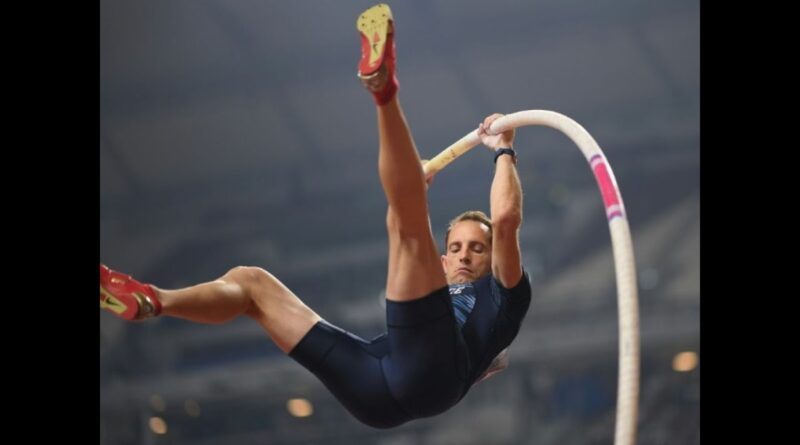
point(465, 259)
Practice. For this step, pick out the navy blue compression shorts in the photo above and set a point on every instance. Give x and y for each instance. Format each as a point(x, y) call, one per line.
point(425, 363)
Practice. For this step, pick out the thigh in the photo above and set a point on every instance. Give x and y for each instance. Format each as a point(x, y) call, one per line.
point(344, 364)
point(284, 317)
point(415, 267)
point(427, 363)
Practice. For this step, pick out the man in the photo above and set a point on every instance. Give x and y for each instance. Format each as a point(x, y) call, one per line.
point(437, 345)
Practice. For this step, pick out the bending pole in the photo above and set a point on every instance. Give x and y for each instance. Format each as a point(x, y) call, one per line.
point(624, 266)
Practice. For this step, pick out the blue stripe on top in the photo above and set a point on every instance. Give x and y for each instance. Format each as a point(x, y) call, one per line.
point(463, 301)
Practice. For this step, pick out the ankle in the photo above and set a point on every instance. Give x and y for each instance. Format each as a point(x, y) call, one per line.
point(150, 303)
point(382, 85)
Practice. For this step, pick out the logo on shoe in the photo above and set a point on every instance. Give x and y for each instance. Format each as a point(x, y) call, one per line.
point(110, 302)
point(376, 39)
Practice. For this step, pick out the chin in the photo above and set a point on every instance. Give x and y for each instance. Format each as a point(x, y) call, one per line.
point(461, 279)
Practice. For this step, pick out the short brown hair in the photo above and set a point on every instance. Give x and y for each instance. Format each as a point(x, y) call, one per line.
point(469, 215)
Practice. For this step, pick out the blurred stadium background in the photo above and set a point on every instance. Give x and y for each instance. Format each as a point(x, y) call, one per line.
point(236, 133)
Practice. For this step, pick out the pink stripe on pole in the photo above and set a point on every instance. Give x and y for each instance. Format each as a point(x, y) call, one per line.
point(607, 189)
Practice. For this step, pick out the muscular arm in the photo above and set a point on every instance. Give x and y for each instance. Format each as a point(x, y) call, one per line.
point(506, 209)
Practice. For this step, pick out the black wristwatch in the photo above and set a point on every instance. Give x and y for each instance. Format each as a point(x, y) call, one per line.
point(505, 151)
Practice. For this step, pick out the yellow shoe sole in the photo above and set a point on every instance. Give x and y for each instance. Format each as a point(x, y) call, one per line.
point(374, 24)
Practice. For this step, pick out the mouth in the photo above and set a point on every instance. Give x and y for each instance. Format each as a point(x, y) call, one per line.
point(463, 270)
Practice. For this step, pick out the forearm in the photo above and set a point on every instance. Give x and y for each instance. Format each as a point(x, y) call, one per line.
point(505, 202)
point(506, 197)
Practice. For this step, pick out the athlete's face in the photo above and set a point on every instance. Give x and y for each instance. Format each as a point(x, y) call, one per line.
point(469, 252)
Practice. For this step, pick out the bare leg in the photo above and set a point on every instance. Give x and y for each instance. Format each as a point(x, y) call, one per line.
point(250, 291)
point(415, 268)
point(414, 265)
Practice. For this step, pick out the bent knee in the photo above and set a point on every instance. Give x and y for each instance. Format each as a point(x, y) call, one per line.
point(247, 276)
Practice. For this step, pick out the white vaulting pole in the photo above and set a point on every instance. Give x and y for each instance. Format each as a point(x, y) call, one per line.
point(624, 266)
